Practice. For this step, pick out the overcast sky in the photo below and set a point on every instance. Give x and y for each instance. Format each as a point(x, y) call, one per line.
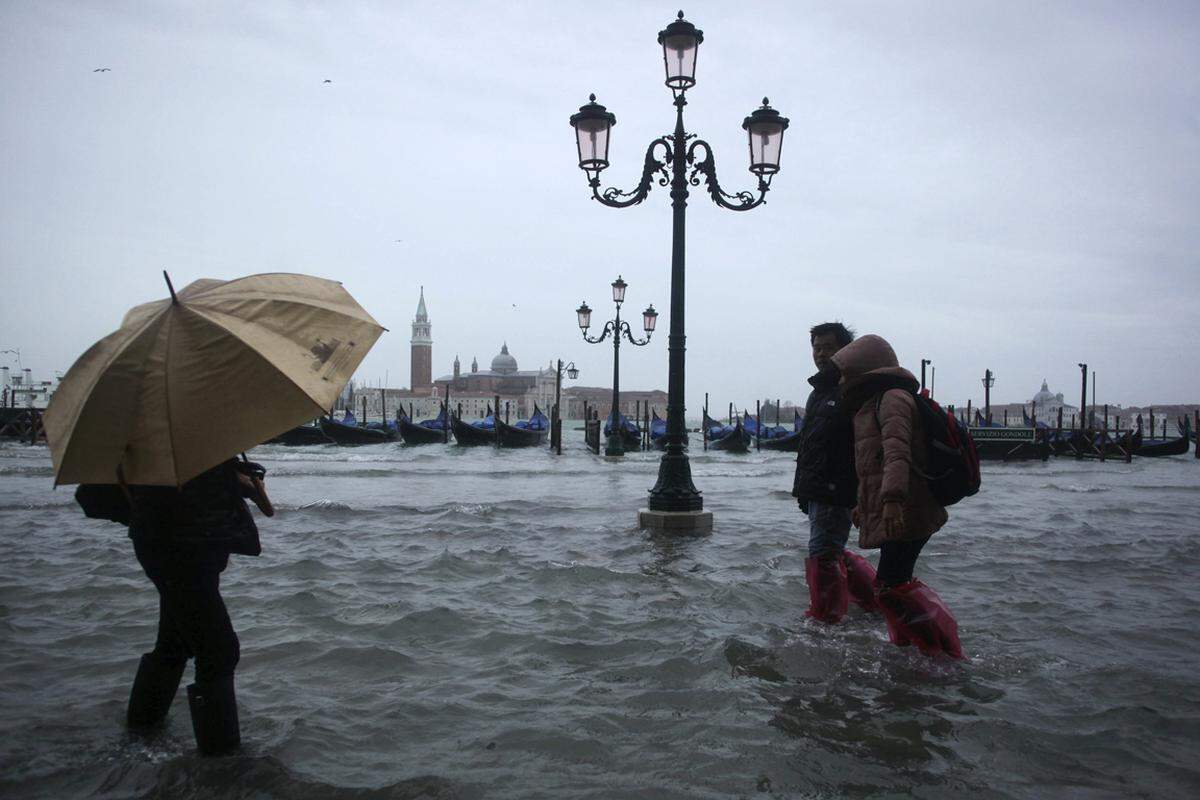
point(1009, 185)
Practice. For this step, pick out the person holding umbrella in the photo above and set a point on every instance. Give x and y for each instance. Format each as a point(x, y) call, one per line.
point(149, 421)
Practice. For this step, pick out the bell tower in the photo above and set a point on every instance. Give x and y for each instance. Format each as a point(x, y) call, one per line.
point(422, 348)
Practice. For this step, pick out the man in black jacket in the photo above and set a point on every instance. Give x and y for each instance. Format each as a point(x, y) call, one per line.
point(826, 487)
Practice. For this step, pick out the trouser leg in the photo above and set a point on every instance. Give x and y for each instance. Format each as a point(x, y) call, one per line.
point(160, 670)
point(203, 623)
point(829, 528)
point(897, 560)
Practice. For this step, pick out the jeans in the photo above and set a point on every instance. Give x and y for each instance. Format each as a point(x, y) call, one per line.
point(828, 529)
point(192, 619)
point(896, 561)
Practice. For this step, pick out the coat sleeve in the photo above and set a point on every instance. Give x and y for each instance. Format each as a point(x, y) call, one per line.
point(896, 428)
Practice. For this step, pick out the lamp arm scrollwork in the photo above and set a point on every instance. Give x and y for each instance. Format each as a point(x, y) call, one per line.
point(706, 166)
point(628, 331)
point(608, 328)
point(615, 198)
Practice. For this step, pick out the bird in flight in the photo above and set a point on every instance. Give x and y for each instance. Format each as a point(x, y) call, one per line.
point(102, 69)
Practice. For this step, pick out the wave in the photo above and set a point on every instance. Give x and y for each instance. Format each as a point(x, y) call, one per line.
point(325, 505)
point(39, 470)
point(1076, 488)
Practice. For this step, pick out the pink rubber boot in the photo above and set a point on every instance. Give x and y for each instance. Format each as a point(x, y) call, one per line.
point(828, 597)
point(860, 578)
point(916, 615)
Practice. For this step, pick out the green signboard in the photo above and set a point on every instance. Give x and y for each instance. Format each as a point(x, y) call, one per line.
point(1014, 435)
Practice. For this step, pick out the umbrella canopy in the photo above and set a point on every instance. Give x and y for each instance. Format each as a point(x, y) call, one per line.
point(192, 380)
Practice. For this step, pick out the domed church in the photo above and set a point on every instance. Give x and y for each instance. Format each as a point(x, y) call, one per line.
point(1048, 403)
point(522, 388)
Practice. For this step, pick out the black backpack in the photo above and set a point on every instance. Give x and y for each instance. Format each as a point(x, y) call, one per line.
point(104, 501)
point(953, 468)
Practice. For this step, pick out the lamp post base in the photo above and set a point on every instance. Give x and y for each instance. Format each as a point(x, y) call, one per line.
point(684, 523)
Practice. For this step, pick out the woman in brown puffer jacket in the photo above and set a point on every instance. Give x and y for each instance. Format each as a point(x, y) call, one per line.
point(896, 511)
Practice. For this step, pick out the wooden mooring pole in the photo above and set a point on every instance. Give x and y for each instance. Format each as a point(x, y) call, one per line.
point(758, 425)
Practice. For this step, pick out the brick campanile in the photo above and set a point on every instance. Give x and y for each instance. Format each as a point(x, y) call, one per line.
point(422, 348)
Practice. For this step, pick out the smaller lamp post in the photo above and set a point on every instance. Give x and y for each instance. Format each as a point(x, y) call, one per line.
point(617, 327)
point(572, 373)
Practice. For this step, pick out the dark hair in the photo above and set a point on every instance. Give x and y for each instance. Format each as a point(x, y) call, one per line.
point(843, 334)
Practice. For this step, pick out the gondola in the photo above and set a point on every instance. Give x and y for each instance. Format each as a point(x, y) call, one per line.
point(731, 439)
point(1028, 422)
point(301, 435)
point(427, 431)
point(474, 434)
point(631, 434)
point(981, 421)
point(658, 431)
point(525, 433)
point(1155, 448)
point(777, 437)
point(1073, 442)
point(350, 434)
point(788, 443)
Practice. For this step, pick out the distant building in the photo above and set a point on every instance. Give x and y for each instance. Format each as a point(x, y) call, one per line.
point(20, 390)
point(633, 403)
point(421, 400)
point(421, 368)
point(1048, 404)
point(519, 389)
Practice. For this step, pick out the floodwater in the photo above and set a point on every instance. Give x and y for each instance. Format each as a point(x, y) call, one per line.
point(443, 622)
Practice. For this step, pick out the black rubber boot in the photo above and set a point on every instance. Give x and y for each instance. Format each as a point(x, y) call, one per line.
point(153, 690)
point(214, 716)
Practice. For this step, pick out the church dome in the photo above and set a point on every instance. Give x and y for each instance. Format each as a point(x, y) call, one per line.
point(1045, 396)
point(504, 363)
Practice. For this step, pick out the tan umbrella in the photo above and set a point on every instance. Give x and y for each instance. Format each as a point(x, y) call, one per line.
point(190, 381)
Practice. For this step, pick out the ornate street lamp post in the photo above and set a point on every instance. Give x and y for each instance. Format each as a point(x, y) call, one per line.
point(572, 373)
point(674, 501)
point(616, 327)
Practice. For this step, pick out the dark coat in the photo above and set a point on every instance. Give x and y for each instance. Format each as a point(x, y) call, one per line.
point(201, 522)
point(825, 462)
